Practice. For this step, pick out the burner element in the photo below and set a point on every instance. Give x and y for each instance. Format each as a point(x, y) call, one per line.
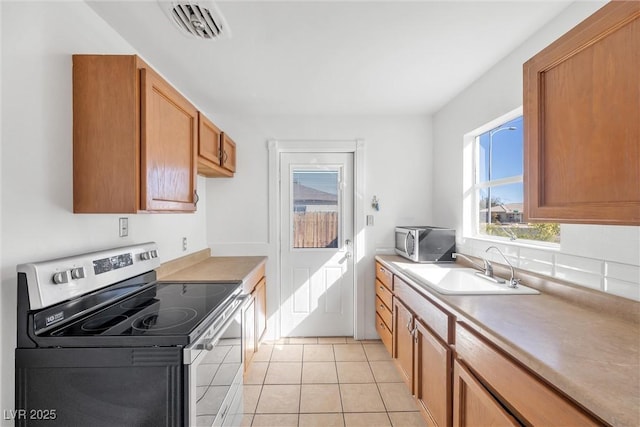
point(102, 323)
point(164, 319)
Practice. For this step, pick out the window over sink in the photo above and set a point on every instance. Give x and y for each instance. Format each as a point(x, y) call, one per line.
point(498, 190)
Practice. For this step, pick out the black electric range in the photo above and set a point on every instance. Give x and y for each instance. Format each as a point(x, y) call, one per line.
point(157, 314)
point(102, 342)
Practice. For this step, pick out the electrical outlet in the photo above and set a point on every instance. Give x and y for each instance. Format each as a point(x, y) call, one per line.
point(184, 243)
point(124, 227)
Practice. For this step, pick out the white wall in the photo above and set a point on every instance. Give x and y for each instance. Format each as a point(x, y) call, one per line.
point(600, 257)
point(397, 171)
point(37, 220)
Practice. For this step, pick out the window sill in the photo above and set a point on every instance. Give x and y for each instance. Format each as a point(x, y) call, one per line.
point(552, 247)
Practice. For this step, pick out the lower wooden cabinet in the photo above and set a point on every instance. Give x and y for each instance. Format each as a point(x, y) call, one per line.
point(384, 313)
point(403, 341)
point(249, 332)
point(255, 313)
point(514, 387)
point(261, 310)
point(385, 334)
point(457, 376)
point(421, 355)
point(432, 372)
point(473, 405)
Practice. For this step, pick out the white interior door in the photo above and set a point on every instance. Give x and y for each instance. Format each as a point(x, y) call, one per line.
point(317, 279)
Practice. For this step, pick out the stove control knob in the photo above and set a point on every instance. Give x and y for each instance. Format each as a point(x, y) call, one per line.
point(154, 254)
point(145, 256)
point(208, 346)
point(61, 277)
point(77, 273)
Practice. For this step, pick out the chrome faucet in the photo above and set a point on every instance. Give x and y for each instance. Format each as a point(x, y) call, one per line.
point(513, 282)
point(487, 272)
point(488, 268)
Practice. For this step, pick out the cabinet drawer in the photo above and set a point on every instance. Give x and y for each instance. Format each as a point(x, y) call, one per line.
point(384, 332)
point(384, 294)
point(384, 276)
point(518, 389)
point(384, 312)
point(440, 321)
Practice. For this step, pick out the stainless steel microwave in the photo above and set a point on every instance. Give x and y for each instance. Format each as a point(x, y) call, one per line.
point(426, 244)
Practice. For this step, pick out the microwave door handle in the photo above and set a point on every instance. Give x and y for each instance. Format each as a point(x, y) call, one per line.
point(406, 239)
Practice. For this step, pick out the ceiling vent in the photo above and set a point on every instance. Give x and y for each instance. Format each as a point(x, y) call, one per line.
point(197, 19)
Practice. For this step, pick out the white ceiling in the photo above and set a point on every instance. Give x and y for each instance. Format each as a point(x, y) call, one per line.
point(331, 57)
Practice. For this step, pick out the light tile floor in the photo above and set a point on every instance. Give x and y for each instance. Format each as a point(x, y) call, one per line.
point(326, 382)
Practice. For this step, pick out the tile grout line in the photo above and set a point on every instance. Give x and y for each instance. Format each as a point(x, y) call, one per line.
point(386, 410)
point(338, 383)
point(335, 365)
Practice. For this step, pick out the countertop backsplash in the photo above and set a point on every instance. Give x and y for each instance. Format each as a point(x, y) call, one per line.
point(604, 275)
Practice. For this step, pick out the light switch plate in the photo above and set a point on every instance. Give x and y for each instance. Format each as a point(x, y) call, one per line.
point(370, 220)
point(124, 227)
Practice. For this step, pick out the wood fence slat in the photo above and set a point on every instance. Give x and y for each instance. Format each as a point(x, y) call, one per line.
point(314, 229)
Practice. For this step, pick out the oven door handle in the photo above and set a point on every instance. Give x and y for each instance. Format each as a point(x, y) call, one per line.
point(208, 346)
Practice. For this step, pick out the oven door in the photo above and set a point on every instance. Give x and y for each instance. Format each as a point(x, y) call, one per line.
point(214, 371)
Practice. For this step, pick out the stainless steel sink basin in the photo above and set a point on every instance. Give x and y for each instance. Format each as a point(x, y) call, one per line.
point(460, 281)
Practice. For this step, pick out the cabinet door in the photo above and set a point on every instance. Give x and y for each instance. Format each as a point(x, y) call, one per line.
point(249, 332)
point(106, 134)
point(581, 108)
point(168, 147)
point(403, 341)
point(473, 405)
point(518, 388)
point(209, 137)
point(261, 309)
point(432, 375)
point(228, 155)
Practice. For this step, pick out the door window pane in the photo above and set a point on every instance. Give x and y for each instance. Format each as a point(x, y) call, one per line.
point(315, 208)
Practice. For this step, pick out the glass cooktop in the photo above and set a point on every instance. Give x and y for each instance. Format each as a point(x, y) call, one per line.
point(162, 309)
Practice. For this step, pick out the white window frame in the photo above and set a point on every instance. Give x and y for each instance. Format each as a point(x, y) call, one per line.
point(471, 174)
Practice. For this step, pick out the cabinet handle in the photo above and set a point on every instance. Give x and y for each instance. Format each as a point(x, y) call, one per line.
point(381, 305)
point(225, 156)
point(196, 198)
point(409, 327)
point(415, 334)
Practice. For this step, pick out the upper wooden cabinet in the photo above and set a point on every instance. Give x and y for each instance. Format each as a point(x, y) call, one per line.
point(216, 150)
point(228, 154)
point(582, 122)
point(134, 139)
point(209, 139)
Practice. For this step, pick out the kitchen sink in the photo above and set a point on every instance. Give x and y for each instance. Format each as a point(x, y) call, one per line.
point(460, 281)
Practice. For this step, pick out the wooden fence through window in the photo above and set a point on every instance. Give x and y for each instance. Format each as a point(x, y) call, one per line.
point(315, 230)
